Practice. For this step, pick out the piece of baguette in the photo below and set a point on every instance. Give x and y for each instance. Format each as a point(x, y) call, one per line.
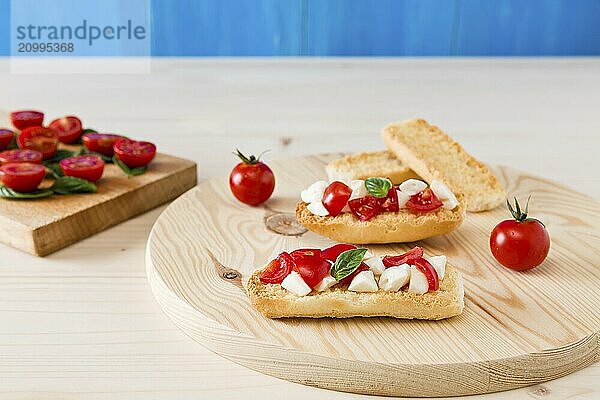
point(433, 155)
point(368, 164)
point(388, 227)
point(273, 301)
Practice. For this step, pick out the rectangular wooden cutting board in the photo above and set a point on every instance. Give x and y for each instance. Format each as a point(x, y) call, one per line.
point(46, 225)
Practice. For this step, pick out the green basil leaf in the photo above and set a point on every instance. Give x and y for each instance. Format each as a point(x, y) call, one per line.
point(71, 185)
point(88, 130)
point(347, 262)
point(60, 155)
point(378, 187)
point(13, 144)
point(129, 171)
point(55, 170)
point(8, 193)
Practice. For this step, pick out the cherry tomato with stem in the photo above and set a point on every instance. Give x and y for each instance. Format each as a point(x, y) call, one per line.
point(520, 243)
point(134, 153)
point(26, 118)
point(44, 140)
point(88, 167)
point(68, 128)
point(251, 181)
point(22, 177)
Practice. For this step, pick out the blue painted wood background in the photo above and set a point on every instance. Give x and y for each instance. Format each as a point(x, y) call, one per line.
point(368, 27)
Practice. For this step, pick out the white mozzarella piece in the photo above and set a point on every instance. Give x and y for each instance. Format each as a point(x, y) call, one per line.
point(325, 283)
point(412, 186)
point(443, 193)
point(375, 264)
point(439, 263)
point(418, 281)
point(358, 189)
point(317, 208)
point(394, 278)
point(314, 192)
point(402, 198)
point(295, 284)
point(364, 282)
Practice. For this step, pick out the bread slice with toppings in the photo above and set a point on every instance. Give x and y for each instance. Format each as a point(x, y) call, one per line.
point(433, 155)
point(273, 301)
point(388, 227)
point(367, 164)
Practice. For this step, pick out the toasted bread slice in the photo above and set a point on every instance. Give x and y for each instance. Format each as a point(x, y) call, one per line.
point(273, 301)
point(367, 164)
point(387, 227)
point(434, 155)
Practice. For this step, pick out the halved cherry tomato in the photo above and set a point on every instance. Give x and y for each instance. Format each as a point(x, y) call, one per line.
point(432, 277)
point(347, 280)
point(424, 201)
point(6, 136)
point(335, 197)
point(102, 143)
point(311, 265)
point(365, 208)
point(333, 252)
point(25, 119)
point(22, 177)
point(86, 167)
point(407, 258)
point(38, 138)
point(68, 128)
point(277, 269)
point(390, 202)
point(133, 153)
point(20, 156)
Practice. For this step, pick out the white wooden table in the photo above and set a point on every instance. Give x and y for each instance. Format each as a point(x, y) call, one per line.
point(82, 323)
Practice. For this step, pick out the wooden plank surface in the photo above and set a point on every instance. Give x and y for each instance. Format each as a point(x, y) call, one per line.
point(82, 322)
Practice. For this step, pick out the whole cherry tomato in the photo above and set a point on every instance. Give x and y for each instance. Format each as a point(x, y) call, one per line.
point(424, 202)
point(27, 118)
point(68, 128)
point(22, 177)
point(88, 167)
point(6, 136)
point(520, 243)
point(277, 269)
point(133, 153)
point(252, 182)
point(311, 265)
point(335, 197)
point(44, 140)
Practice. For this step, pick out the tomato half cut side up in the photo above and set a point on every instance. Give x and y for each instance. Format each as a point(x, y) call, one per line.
point(365, 208)
point(424, 202)
point(407, 258)
point(102, 143)
point(22, 177)
point(20, 156)
point(6, 136)
point(44, 140)
point(86, 167)
point(277, 269)
point(68, 128)
point(27, 118)
point(432, 277)
point(133, 153)
point(335, 197)
point(332, 253)
point(311, 265)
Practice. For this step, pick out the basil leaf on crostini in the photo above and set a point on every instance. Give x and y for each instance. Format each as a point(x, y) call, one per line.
point(347, 262)
point(71, 185)
point(8, 193)
point(378, 187)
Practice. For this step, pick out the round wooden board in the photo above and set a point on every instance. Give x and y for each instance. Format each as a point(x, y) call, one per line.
point(517, 329)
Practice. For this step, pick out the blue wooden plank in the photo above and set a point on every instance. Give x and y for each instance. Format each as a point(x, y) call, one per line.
point(226, 27)
point(379, 27)
point(4, 27)
point(529, 28)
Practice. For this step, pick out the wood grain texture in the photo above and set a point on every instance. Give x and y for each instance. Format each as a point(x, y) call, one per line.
point(43, 226)
point(518, 329)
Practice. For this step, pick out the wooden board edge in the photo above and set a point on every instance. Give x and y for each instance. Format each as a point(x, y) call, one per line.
point(365, 377)
point(164, 190)
point(17, 235)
